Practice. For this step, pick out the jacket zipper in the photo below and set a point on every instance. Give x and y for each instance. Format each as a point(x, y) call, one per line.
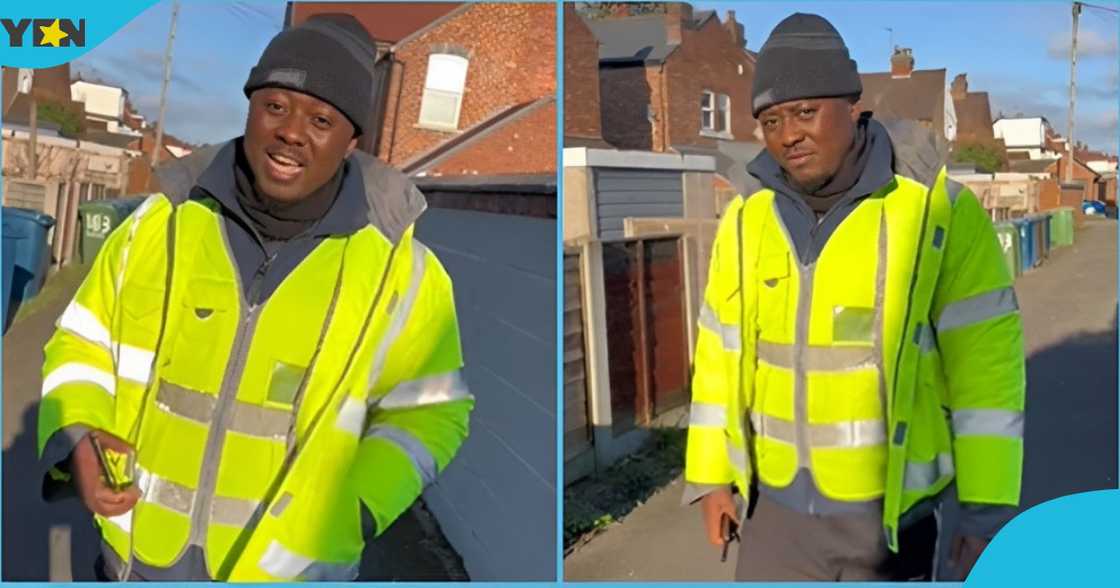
point(211, 459)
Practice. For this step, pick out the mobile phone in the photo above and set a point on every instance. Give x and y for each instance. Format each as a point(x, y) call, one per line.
point(118, 468)
point(729, 531)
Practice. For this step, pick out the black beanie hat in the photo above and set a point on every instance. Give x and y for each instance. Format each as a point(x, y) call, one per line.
point(329, 57)
point(805, 57)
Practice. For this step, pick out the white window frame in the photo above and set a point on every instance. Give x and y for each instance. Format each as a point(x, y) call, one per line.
point(718, 112)
point(445, 79)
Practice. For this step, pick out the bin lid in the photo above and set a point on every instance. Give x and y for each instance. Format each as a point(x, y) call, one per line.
point(27, 215)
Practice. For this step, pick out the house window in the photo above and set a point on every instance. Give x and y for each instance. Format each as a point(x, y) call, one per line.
point(715, 113)
point(443, 91)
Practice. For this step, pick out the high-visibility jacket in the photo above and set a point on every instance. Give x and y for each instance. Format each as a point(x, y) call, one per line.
point(260, 429)
point(887, 367)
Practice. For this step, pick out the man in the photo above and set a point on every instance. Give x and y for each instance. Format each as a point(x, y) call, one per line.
point(269, 339)
point(860, 355)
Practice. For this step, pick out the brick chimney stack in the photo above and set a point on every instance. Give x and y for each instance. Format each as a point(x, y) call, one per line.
point(678, 15)
point(959, 87)
point(902, 63)
point(736, 30)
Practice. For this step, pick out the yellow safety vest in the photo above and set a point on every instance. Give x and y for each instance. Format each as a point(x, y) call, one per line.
point(260, 430)
point(891, 364)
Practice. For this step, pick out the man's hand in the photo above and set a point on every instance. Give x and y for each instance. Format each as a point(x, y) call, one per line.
point(964, 553)
point(95, 494)
point(714, 506)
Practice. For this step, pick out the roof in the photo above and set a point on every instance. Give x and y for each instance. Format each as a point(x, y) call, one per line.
point(974, 115)
point(466, 138)
point(731, 158)
point(19, 113)
point(633, 39)
point(109, 139)
point(919, 97)
point(701, 17)
point(1030, 166)
point(389, 22)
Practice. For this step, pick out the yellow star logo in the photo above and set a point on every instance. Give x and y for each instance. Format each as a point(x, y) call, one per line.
point(52, 34)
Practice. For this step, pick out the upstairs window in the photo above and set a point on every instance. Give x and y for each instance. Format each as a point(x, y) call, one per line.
point(443, 91)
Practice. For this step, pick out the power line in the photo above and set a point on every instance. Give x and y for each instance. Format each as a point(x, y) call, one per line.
point(1105, 8)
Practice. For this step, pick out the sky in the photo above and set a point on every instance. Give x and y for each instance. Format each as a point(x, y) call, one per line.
point(1018, 52)
point(216, 44)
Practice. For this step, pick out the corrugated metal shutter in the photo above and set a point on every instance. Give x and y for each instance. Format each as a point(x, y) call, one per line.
point(622, 193)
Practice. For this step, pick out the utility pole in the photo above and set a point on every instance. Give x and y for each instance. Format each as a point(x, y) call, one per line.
point(1072, 91)
point(166, 81)
point(26, 85)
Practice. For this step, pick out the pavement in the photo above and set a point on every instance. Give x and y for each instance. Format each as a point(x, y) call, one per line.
point(59, 542)
point(1069, 309)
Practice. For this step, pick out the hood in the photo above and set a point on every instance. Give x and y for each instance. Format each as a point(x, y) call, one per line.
point(384, 197)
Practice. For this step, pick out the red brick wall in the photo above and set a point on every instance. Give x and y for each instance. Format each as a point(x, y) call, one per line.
point(707, 59)
point(581, 78)
point(625, 94)
point(512, 53)
point(523, 146)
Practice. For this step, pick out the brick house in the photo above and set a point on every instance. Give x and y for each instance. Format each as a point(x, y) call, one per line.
point(677, 81)
point(909, 94)
point(582, 117)
point(466, 89)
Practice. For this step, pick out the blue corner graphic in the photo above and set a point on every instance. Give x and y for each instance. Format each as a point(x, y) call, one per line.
point(1068, 541)
point(48, 33)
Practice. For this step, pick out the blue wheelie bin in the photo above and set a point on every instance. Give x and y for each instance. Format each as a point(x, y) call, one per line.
point(26, 231)
point(10, 244)
point(1026, 244)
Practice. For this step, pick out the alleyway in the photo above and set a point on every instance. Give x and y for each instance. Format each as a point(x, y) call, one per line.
point(1069, 308)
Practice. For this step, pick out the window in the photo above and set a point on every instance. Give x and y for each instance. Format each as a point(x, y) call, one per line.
point(443, 91)
point(715, 114)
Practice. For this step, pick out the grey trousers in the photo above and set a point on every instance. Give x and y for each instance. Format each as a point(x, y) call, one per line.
point(779, 544)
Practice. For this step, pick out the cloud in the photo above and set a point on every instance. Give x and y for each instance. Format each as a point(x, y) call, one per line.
point(1090, 44)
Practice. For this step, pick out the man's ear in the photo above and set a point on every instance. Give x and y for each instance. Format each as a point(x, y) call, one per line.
point(856, 109)
point(352, 146)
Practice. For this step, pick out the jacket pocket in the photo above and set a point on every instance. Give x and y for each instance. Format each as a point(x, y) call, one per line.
point(773, 294)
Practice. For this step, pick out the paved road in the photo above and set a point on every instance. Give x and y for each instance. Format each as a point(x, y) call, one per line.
point(1069, 308)
point(58, 541)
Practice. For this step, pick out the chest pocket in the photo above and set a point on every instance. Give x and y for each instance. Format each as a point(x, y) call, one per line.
point(774, 293)
point(203, 336)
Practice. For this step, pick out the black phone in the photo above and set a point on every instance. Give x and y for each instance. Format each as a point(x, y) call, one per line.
point(729, 531)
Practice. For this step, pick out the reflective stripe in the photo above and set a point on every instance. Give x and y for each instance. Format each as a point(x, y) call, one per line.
point(863, 433)
point(83, 322)
point(817, 358)
point(124, 521)
point(421, 458)
point(79, 372)
point(281, 505)
point(235, 512)
point(729, 334)
point(702, 414)
point(352, 416)
point(224, 510)
point(977, 308)
point(921, 475)
point(737, 456)
point(924, 338)
point(134, 363)
point(189, 404)
point(247, 419)
point(280, 562)
point(988, 421)
point(419, 263)
point(260, 421)
point(430, 390)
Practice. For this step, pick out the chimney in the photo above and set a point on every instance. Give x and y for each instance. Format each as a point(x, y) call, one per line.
point(678, 15)
point(736, 30)
point(902, 63)
point(959, 88)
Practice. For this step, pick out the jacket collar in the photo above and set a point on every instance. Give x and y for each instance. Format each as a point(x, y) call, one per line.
point(372, 193)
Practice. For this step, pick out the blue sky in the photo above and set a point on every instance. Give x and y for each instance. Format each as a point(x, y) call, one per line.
point(216, 43)
point(1017, 52)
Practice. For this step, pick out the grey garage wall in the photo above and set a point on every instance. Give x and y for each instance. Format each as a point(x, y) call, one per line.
point(496, 503)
